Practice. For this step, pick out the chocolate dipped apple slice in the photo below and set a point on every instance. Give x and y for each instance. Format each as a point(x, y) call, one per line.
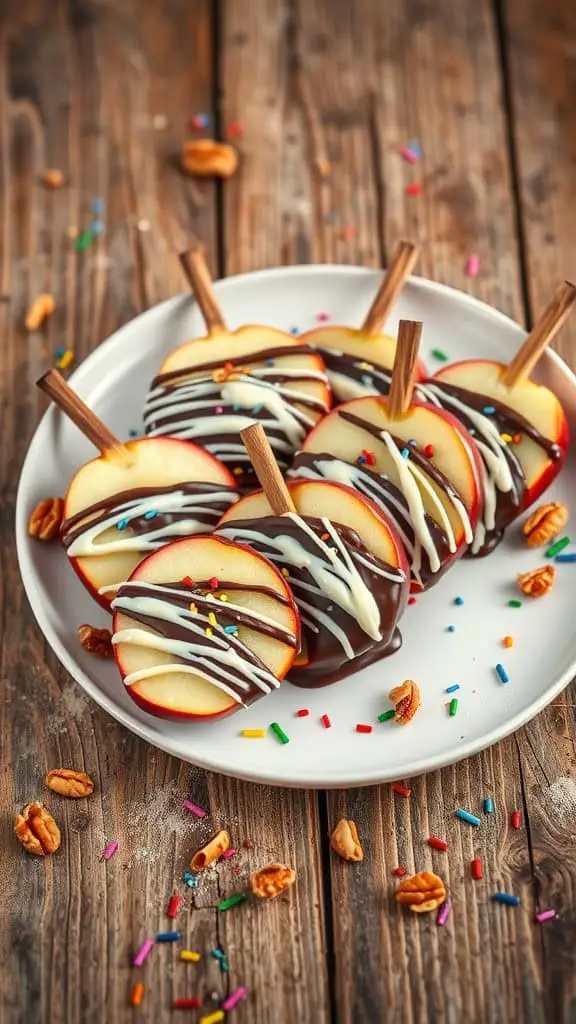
point(341, 557)
point(134, 498)
point(518, 426)
point(211, 388)
point(415, 461)
point(359, 360)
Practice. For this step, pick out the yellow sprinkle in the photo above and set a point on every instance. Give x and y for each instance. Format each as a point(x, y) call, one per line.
point(365, 366)
point(254, 734)
point(208, 631)
point(212, 619)
point(506, 438)
point(193, 608)
point(508, 641)
point(65, 361)
point(285, 572)
point(223, 597)
point(212, 1018)
point(72, 232)
point(188, 954)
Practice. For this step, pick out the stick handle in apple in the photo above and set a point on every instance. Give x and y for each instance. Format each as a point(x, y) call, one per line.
point(266, 469)
point(546, 327)
point(54, 385)
point(198, 277)
point(404, 369)
point(403, 260)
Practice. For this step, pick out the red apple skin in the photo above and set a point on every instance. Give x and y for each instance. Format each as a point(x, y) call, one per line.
point(157, 710)
point(227, 479)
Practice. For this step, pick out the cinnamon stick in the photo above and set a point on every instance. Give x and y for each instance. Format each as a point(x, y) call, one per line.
point(266, 469)
point(546, 327)
point(404, 369)
point(403, 260)
point(54, 385)
point(198, 276)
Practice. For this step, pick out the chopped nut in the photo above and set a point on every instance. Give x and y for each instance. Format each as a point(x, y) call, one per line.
point(407, 700)
point(538, 582)
point(37, 830)
point(422, 892)
point(96, 641)
point(67, 782)
point(53, 178)
point(272, 880)
point(207, 158)
point(211, 852)
point(545, 523)
point(345, 840)
point(41, 308)
point(46, 519)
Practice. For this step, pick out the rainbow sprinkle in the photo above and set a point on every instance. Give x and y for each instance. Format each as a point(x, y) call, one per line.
point(502, 674)
point(254, 734)
point(279, 732)
point(557, 547)
point(199, 812)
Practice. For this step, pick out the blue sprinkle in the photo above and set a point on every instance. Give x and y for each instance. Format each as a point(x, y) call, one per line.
point(59, 353)
point(97, 206)
point(294, 330)
point(121, 524)
point(415, 147)
point(257, 409)
point(191, 880)
point(97, 228)
point(452, 689)
point(466, 816)
point(488, 805)
point(367, 381)
point(150, 515)
point(570, 557)
point(504, 677)
point(224, 964)
point(405, 453)
point(413, 443)
point(269, 362)
point(168, 936)
point(505, 897)
point(450, 629)
point(488, 409)
point(361, 460)
point(235, 408)
point(133, 433)
point(201, 120)
point(459, 600)
point(218, 954)
point(233, 630)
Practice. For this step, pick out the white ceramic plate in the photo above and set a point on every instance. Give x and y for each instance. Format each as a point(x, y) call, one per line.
point(114, 381)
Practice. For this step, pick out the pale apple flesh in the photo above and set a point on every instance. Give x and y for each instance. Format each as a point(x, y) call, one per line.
point(170, 629)
point(129, 501)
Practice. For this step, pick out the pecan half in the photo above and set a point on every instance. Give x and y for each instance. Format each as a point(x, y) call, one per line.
point(67, 782)
point(537, 582)
point(96, 641)
point(545, 523)
point(211, 852)
point(344, 840)
point(207, 158)
point(37, 830)
point(272, 880)
point(46, 519)
point(422, 892)
point(407, 701)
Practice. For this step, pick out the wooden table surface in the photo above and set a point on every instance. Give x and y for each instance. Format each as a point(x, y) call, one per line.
point(104, 90)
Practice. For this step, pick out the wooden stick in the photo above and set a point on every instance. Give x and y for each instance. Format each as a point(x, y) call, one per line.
point(404, 369)
point(54, 385)
point(198, 276)
point(266, 469)
point(403, 260)
point(546, 327)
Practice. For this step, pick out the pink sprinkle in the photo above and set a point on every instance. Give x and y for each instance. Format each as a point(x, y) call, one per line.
point(473, 265)
point(408, 154)
point(322, 317)
point(545, 915)
point(194, 809)
point(326, 721)
point(143, 952)
point(443, 912)
point(234, 998)
point(229, 853)
point(109, 851)
point(219, 410)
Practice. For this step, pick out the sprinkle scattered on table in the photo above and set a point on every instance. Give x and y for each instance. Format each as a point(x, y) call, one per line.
point(472, 819)
point(348, 232)
point(443, 913)
point(234, 998)
point(472, 265)
point(232, 901)
point(190, 956)
point(200, 120)
point(505, 897)
point(175, 902)
point(488, 805)
point(545, 915)
point(403, 790)
point(109, 851)
point(199, 812)
point(414, 189)
point(437, 844)
point(168, 936)
point(235, 129)
point(143, 952)
point(476, 868)
point(409, 155)
point(516, 819)
point(137, 994)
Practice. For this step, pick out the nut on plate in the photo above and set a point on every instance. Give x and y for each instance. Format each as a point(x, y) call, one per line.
point(46, 519)
point(211, 852)
point(344, 840)
point(537, 582)
point(96, 641)
point(207, 158)
point(406, 699)
point(422, 892)
point(37, 830)
point(545, 524)
point(272, 880)
point(68, 782)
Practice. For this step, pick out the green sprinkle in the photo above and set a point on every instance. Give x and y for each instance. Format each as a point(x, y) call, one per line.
point(83, 241)
point(386, 715)
point(514, 603)
point(558, 546)
point(279, 732)
point(437, 353)
point(232, 901)
point(453, 706)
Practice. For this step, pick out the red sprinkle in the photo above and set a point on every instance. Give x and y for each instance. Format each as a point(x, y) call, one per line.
point(363, 728)
point(369, 456)
point(188, 1004)
point(173, 906)
point(213, 581)
point(348, 231)
point(400, 789)
point(476, 868)
point(326, 721)
point(302, 713)
point(399, 872)
point(188, 581)
point(415, 189)
point(515, 819)
point(429, 451)
point(235, 128)
point(437, 844)
point(411, 600)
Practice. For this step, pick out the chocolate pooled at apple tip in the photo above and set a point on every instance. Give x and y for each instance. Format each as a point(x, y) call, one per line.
point(212, 387)
point(342, 558)
point(136, 497)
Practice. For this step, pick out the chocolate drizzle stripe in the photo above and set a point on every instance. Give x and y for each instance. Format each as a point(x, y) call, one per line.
point(250, 357)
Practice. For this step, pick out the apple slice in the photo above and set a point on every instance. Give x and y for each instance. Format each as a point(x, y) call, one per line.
point(136, 498)
point(202, 649)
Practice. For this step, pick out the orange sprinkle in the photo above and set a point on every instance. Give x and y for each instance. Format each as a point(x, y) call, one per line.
point(325, 536)
point(137, 993)
point(517, 438)
point(508, 641)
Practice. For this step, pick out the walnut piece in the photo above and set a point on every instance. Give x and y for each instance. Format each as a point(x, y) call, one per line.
point(422, 892)
point(46, 519)
point(211, 852)
point(207, 158)
point(545, 523)
point(537, 582)
point(37, 830)
point(42, 307)
point(68, 782)
point(406, 699)
point(344, 840)
point(96, 641)
point(272, 880)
